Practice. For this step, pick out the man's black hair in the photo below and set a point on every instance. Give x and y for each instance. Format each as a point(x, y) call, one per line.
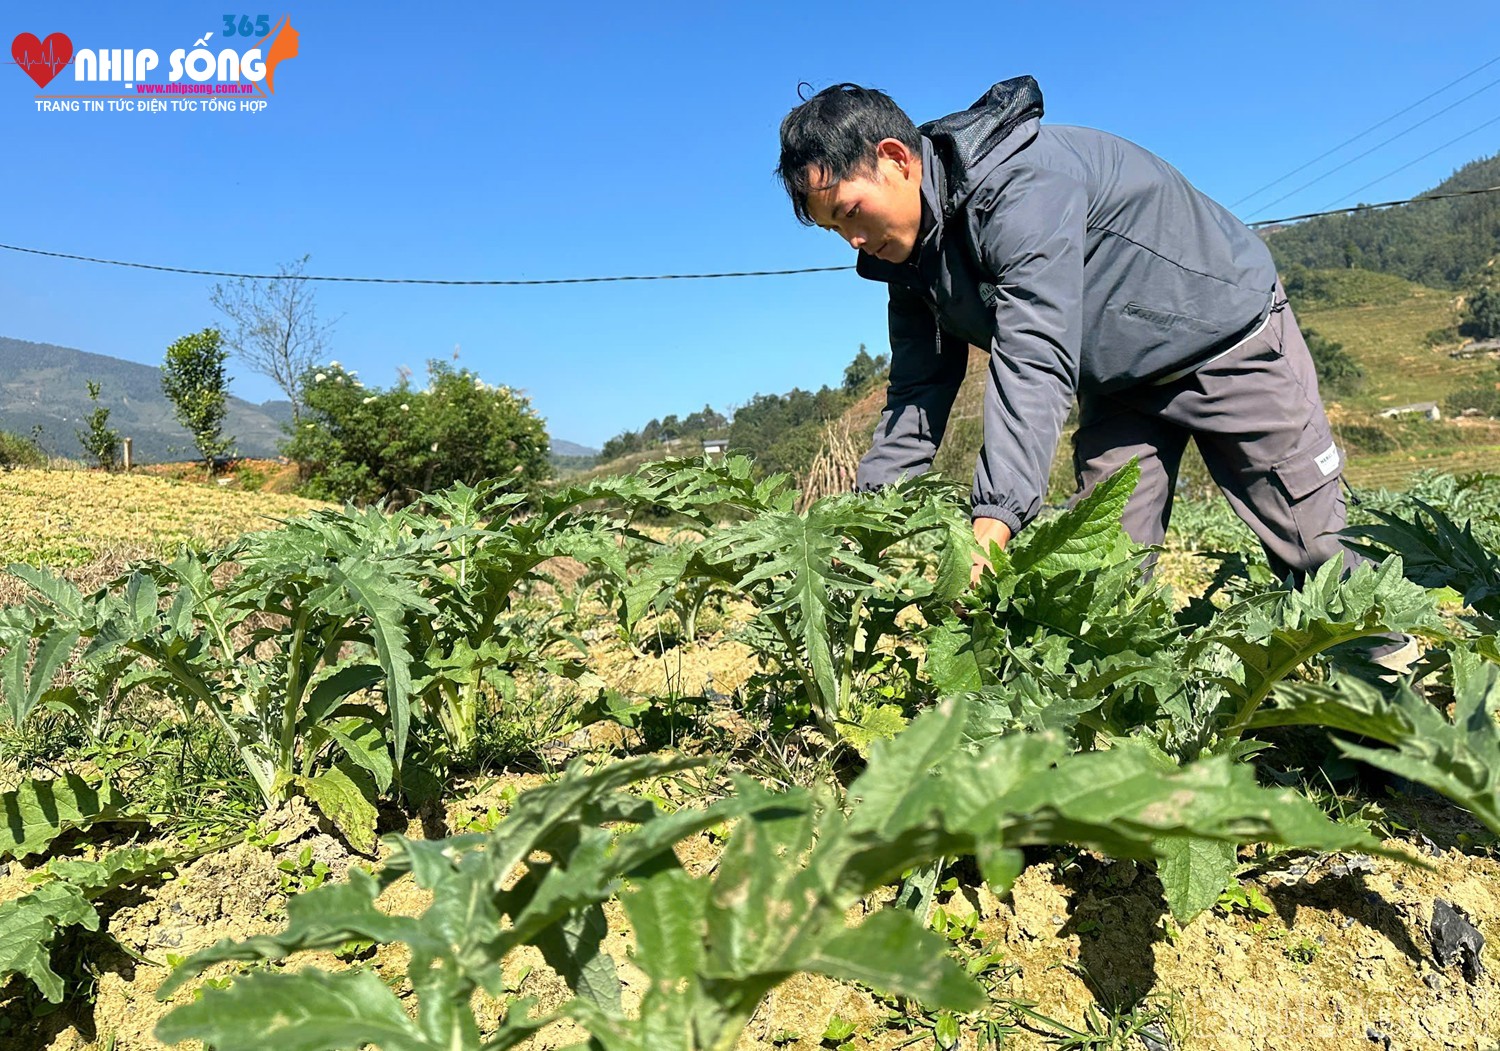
point(833, 136)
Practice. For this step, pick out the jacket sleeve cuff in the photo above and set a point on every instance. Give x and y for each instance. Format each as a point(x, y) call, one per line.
point(1004, 514)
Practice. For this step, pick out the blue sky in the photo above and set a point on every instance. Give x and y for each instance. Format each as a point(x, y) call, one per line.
point(468, 140)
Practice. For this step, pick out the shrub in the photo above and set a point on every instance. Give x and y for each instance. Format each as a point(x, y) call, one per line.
point(18, 451)
point(1441, 336)
point(1482, 314)
point(99, 439)
point(1339, 375)
point(365, 444)
point(1368, 438)
point(1486, 399)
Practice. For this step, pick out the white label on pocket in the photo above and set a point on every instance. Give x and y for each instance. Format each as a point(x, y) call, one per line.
point(1328, 461)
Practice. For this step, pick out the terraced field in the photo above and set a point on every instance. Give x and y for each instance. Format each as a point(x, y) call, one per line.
point(78, 519)
point(1390, 342)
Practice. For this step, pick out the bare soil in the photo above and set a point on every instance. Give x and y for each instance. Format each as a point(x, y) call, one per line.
point(1344, 960)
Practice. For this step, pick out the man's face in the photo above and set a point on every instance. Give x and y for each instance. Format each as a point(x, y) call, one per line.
point(879, 213)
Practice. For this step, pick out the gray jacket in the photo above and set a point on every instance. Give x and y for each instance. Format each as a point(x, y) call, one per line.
point(1085, 263)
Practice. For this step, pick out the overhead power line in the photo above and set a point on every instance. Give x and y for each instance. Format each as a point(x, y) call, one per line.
point(515, 282)
point(1379, 145)
point(1355, 138)
point(1408, 164)
point(426, 280)
point(1374, 207)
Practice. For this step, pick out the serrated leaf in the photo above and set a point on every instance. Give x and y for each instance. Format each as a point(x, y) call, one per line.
point(1354, 707)
point(1460, 759)
point(801, 551)
point(1081, 537)
point(893, 955)
point(39, 811)
point(956, 546)
point(750, 882)
point(662, 573)
point(22, 690)
point(62, 595)
point(345, 794)
point(574, 949)
point(29, 923)
point(893, 792)
point(308, 1011)
point(872, 723)
point(115, 869)
point(141, 598)
point(950, 663)
point(363, 741)
point(383, 601)
point(1193, 873)
point(1438, 553)
point(1273, 634)
point(331, 689)
point(666, 910)
point(1123, 800)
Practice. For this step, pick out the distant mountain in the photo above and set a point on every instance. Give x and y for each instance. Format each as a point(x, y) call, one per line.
point(1445, 244)
point(46, 385)
point(568, 458)
point(563, 448)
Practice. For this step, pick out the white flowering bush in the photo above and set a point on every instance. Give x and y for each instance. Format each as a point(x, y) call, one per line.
point(363, 443)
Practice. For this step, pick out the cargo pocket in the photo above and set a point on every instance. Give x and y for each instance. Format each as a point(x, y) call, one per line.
point(1315, 503)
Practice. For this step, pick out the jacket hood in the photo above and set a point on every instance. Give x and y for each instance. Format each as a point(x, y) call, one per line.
point(958, 152)
point(972, 142)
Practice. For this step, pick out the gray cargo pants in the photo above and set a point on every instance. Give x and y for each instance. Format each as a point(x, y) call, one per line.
point(1261, 429)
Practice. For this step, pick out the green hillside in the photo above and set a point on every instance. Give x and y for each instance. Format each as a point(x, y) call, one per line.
point(1387, 325)
point(45, 386)
point(1443, 244)
point(1390, 341)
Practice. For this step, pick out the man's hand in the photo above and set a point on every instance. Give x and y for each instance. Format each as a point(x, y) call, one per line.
point(987, 531)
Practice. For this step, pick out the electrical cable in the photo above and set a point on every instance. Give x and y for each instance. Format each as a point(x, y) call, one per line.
point(1408, 164)
point(1378, 145)
point(425, 280)
point(1356, 138)
point(1374, 207)
point(518, 282)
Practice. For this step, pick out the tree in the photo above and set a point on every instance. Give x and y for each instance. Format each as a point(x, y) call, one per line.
point(274, 327)
point(704, 422)
point(99, 440)
point(1482, 314)
point(193, 380)
point(863, 369)
point(1339, 375)
point(622, 444)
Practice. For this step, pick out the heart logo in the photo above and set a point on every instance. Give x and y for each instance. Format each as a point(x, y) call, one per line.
point(42, 59)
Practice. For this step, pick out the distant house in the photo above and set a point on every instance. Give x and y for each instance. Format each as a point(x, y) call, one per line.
point(1476, 347)
point(715, 447)
point(1428, 409)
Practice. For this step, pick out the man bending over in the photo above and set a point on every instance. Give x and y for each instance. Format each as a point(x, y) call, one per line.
point(1089, 267)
